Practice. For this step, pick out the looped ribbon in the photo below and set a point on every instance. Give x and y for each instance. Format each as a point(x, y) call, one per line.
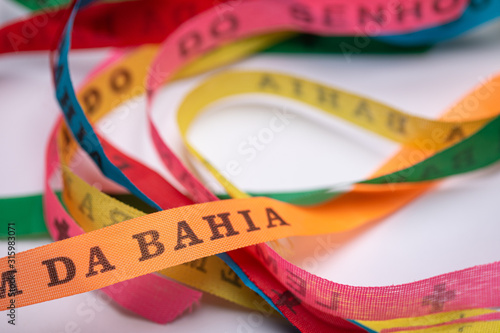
point(185, 231)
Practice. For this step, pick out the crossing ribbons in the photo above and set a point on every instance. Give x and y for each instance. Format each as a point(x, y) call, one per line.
point(236, 229)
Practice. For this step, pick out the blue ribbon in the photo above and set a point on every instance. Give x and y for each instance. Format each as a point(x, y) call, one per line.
point(477, 12)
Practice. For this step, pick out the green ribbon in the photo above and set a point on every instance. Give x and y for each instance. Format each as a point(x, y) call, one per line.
point(477, 151)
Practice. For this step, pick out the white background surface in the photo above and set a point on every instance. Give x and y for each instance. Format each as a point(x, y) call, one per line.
point(453, 227)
